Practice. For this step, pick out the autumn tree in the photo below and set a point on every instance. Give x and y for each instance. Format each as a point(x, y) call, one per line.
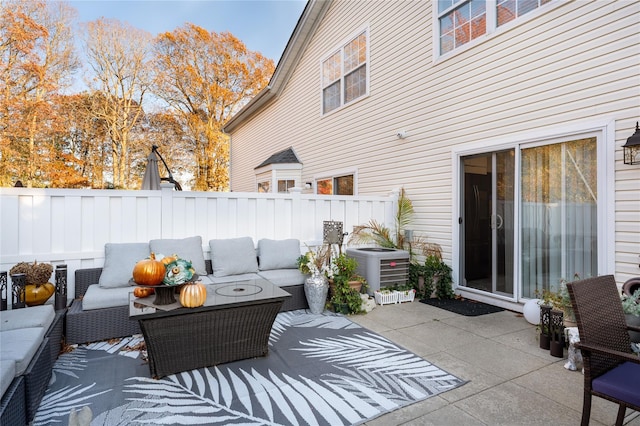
point(82, 144)
point(38, 58)
point(205, 77)
point(119, 55)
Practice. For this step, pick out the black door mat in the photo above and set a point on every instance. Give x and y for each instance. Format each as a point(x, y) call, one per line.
point(466, 307)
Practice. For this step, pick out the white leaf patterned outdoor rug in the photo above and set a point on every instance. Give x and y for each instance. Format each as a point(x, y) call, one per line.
point(321, 369)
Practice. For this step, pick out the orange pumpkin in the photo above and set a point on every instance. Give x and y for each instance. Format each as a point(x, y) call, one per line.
point(149, 271)
point(37, 294)
point(168, 259)
point(193, 295)
point(143, 291)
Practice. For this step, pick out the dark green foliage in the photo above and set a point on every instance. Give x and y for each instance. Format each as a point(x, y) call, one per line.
point(436, 274)
point(342, 293)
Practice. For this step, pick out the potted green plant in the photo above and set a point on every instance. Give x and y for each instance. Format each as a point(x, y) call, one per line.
point(345, 299)
point(385, 296)
point(406, 292)
point(344, 268)
point(560, 300)
point(631, 308)
point(437, 275)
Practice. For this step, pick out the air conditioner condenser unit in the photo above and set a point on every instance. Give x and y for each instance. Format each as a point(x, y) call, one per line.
point(381, 267)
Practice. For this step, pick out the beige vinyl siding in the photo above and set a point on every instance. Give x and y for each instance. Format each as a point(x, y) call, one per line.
point(627, 218)
point(572, 62)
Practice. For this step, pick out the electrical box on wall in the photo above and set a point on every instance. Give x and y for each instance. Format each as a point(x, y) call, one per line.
point(381, 267)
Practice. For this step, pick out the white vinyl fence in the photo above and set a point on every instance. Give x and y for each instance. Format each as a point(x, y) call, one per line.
point(71, 226)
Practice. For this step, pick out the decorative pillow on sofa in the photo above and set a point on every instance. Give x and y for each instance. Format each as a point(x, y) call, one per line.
point(233, 256)
point(187, 248)
point(119, 260)
point(278, 254)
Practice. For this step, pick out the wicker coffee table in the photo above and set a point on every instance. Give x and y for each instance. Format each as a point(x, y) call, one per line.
point(234, 323)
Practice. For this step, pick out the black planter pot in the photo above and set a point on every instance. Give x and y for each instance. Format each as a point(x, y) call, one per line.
point(545, 322)
point(556, 348)
point(545, 341)
point(556, 333)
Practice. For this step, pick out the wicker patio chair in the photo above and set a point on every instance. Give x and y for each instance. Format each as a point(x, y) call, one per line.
point(611, 369)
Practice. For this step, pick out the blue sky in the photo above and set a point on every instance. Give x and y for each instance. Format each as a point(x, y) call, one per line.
point(263, 25)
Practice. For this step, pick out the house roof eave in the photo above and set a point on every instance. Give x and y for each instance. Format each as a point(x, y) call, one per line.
point(304, 30)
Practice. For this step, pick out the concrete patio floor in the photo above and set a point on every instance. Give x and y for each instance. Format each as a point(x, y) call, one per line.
point(511, 381)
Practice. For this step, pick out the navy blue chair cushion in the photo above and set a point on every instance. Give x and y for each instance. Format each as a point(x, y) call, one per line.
point(623, 383)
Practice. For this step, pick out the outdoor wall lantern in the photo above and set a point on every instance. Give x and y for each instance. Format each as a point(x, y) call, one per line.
point(631, 149)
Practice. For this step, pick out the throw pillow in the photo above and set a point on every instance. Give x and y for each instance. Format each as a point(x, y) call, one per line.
point(233, 256)
point(119, 260)
point(278, 254)
point(186, 248)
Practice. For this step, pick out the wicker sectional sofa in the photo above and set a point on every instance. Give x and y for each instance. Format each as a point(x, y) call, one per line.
point(100, 309)
point(30, 341)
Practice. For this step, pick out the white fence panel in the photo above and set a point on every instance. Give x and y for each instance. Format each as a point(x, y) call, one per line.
point(71, 226)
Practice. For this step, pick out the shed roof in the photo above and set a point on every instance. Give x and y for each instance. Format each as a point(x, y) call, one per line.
point(287, 156)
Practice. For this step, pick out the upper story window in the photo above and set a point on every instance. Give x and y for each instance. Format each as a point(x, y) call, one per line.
point(344, 74)
point(508, 10)
point(461, 21)
point(461, 24)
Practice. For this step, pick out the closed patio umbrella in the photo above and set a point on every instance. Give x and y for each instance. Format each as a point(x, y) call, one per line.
point(151, 179)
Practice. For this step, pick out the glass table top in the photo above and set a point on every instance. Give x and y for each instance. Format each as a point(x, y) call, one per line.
point(218, 296)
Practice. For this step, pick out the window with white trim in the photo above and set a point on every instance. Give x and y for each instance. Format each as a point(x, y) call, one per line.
point(461, 21)
point(337, 185)
point(508, 10)
point(344, 74)
point(285, 185)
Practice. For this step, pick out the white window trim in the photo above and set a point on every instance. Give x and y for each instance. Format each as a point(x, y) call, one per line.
point(492, 29)
point(337, 48)
point(335, 174)
point(605, 130)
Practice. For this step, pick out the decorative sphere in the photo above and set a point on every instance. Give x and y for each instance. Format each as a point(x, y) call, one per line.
point(531, 311)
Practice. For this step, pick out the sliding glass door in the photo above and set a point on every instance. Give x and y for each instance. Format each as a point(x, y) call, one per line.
point(559, 226)
point(554, 218)
point(487, 219)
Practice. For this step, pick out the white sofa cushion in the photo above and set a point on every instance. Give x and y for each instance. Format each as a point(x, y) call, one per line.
point(233, 256)
point(21, 345)
point(119, 260)
point(34, 316)
point(205, 279)
point(232, 278)
point(278, 254)
point(284, 277)
point(7, 373)
point(98, 297)
point(189, 248)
